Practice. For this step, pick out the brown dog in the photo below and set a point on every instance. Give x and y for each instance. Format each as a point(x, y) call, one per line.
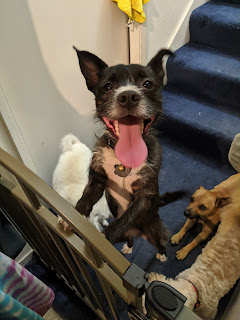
point(204, 208)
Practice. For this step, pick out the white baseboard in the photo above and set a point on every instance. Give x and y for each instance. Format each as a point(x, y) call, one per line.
point(14, 132)
point(181, 35)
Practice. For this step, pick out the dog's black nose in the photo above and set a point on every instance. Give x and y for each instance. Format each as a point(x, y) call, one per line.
point(128, 99)
point(187, 213)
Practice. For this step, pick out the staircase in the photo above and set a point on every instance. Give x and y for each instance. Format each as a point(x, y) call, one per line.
point(201, 100)
point(201, 103)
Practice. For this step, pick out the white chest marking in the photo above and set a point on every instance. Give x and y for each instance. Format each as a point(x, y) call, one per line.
point(119, 187)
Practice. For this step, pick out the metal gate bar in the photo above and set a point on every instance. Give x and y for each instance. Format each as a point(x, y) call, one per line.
point(82, 267)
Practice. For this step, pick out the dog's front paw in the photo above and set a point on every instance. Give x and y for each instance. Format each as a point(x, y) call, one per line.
point(161, 257)
point(64, 224)
point(105, 223)
point(126, 250)
point(181, 254)
point(176, 238)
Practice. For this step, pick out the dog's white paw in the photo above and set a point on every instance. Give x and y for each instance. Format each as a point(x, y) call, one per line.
point(126, 249)
point(105, 223)
point(161, 257)
point(64, 224)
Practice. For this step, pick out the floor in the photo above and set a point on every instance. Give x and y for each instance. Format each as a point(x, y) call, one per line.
point(52, 315)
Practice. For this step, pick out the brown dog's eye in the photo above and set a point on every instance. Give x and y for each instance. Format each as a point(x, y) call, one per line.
point(148, 84)
point(191, 199)
point(107, 87)
point(202, 207)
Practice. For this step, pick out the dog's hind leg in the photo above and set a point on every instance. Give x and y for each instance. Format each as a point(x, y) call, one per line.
point(157, 235)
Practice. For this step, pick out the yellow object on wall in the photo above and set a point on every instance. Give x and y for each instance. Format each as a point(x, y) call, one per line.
point(133, 9)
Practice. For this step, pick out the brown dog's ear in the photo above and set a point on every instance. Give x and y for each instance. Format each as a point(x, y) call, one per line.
point(156, 63)
point(222, 202)
point(91, 67)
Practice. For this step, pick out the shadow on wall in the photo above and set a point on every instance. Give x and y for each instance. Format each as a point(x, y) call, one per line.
point(41, 112)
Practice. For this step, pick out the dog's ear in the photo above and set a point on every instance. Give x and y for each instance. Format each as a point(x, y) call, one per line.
point(222, 202)
point(156, 63)
point(91, 67)
point(200, 187)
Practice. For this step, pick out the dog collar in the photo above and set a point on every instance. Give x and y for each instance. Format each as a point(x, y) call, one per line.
point(197, 304)
point(120, 170)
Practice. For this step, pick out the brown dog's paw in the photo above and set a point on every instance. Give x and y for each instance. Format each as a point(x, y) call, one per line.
point(176, 238)
point(161, 257)
point(64, 224)
point(126, 250)
point(181, 254)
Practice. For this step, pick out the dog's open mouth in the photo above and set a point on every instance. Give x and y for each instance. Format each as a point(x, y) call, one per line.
point(113, 125)
point(130, 149)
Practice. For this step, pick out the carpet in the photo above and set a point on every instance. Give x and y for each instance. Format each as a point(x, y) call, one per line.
point(11, 242)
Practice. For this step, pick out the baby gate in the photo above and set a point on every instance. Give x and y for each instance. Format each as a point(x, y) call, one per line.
point(27, 200)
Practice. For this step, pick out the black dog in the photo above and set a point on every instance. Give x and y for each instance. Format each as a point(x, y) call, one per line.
point(127, 157)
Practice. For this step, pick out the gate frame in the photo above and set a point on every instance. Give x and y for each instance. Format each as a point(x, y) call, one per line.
point(38, 225)
point(66, 252)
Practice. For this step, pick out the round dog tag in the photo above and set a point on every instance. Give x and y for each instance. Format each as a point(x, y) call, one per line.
point(121, 171)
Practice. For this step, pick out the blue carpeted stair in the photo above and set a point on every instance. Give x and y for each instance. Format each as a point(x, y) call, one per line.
point(217, 18)
point(201, 99)
point(202, 71)
point(201, 103)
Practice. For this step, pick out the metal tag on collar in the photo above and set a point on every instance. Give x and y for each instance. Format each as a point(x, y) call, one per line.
point(121, 171)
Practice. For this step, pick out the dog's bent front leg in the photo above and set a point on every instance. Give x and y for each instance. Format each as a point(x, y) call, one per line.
point(187, 226)
point(92, 192)
point(181, 254)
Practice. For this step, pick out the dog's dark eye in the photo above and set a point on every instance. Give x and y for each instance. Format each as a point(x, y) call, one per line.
point(148, 84)
point(191, 199)
point(107, 87)
point(202, 207)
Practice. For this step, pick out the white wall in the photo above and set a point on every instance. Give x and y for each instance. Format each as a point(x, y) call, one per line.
point(39, 73)
point(166, 25)
point(6, 141)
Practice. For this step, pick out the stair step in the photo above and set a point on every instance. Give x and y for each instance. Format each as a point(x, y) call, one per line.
point(205, 127)
point(191, 169)
point(206, 72)
point(227, 1)
point(217, 25)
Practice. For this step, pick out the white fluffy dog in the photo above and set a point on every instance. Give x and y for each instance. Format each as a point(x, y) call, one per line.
point(71, 176)
point(216, 270)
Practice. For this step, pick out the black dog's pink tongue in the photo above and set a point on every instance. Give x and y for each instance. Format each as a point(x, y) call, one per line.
point(130, 149)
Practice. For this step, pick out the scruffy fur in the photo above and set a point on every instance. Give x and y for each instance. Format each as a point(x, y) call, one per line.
point(205, 207)
point(217, 269)
point(71, 176)
point(126, 95)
